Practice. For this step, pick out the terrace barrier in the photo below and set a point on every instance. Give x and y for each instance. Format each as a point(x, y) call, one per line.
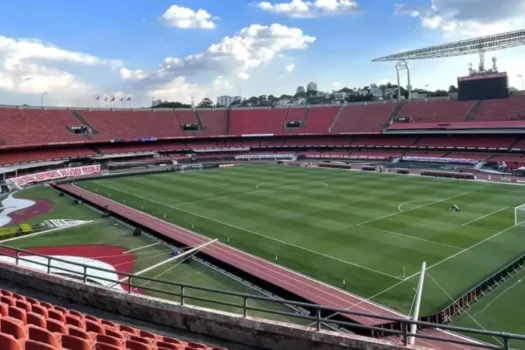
point(86, 274)
point(449, 174)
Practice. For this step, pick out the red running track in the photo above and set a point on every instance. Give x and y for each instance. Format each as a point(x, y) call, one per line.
point(294, 282)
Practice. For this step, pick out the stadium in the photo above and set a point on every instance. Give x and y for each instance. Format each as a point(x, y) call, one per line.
point(379, 225)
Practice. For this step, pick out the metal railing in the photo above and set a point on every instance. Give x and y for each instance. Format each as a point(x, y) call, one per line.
point(317, 315)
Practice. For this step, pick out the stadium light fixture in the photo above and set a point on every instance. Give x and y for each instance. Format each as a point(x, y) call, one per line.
point(42, 99)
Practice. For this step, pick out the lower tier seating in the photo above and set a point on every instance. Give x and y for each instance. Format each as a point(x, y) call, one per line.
point(30, 324)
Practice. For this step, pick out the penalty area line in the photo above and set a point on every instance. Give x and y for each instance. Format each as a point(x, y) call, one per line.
point(415, 208)
point(484, 216)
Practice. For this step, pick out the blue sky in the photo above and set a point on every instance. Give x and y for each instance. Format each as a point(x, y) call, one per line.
point(81, 49)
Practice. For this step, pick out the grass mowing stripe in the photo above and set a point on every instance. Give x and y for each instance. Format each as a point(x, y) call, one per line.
point(466, 249)
point(413, 237)
point(484, 216)
point(412, 209)
point(258, 234)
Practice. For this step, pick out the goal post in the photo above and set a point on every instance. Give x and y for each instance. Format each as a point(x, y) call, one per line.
point(519, 215)
point(190, 167)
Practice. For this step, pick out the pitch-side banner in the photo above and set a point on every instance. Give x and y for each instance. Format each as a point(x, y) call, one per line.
point(52, 175)
point(265, 156)
point(440, 160)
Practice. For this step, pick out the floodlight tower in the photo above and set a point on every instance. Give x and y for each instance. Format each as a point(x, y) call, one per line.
point(403, 65)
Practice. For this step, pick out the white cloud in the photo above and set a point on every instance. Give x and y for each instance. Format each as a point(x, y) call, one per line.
point(336, 85)
point(311, 9)
point(185, 18)
point(235, 55)
point(468, 18)
point(30, 66)
point(290, 68)
point(243, 76)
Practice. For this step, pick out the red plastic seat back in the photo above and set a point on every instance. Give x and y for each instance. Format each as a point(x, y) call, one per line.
point(8, 342)
point(73, 343)
point(42, 335)
point(12, 327)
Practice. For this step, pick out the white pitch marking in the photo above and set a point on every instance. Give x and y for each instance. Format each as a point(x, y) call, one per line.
point(412, 237)
point(415, 201)
point(415, 208)
point(255, 233)
point(139, 248)
point(484, 216)
point(465, 250)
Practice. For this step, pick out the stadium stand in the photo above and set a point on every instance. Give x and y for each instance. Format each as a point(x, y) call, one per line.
point(36, 126)
point(257, 121)
point(133, 124)
point(435, 111)
point(319, 120)
point(501, 109)
point(213, 122)
point(364, 118)
point(29, 324)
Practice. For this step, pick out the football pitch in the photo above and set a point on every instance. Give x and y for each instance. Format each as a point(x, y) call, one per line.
point(370, 230)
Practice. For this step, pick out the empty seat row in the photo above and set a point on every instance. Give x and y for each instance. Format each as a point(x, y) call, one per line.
point(30, 324)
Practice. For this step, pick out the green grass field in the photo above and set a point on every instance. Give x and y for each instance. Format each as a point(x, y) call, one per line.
point(109, 232)
point(372, 230)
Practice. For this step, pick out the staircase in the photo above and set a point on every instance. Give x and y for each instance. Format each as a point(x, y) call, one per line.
point(228, 121)
point(303, 122)
point(84, 122)
point(518, 139)
point(95, 149)
point(472, 113)
point(336, 119)
point(197, 116)
point(393, 116)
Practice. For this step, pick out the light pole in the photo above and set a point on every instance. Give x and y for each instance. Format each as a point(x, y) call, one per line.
point(42, 99)
point(522, 87)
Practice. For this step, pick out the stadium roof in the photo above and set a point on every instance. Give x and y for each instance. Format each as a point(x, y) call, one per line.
point(464, 47)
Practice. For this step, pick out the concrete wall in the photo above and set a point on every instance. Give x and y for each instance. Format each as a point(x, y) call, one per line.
point(249, 331)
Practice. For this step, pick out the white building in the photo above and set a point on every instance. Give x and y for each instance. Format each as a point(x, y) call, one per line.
point(300, 90)
point(311, 87)
point(225, 100)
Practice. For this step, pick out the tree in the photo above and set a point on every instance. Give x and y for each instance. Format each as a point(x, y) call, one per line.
point(205, 103)
point(172, 105)
point(440, 93)
point(452, 89)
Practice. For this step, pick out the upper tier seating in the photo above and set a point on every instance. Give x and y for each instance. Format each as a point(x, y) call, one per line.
point(467, 141)
point(41, 155)
point(384, 141)
point(29, 324)
point(36, 126)
point(129, 148)
point(296, 114)
point(501, 109)
point(133, 124)
point(320, 119)
point(363, 118)
point(257, 121)
point(436, 111)
point(214, 122)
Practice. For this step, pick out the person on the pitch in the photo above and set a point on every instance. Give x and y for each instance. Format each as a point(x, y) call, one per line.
point(455, 208)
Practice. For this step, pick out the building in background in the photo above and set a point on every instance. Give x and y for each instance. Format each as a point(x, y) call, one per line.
point(300, 90)
point(225, 100)
point(311, 87)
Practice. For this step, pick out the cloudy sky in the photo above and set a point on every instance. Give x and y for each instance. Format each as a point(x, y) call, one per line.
point(184, 49)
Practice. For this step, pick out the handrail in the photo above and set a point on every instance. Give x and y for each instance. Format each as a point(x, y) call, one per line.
point(316, 314)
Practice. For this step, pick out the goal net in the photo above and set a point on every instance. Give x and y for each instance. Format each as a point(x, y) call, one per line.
point(519, 215)
point(190, 167)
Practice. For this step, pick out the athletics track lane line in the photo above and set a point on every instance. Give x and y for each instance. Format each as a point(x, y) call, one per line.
point(259, 234)
point(307, 287)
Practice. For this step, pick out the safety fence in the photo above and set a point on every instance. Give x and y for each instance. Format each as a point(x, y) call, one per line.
point(317, 316)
